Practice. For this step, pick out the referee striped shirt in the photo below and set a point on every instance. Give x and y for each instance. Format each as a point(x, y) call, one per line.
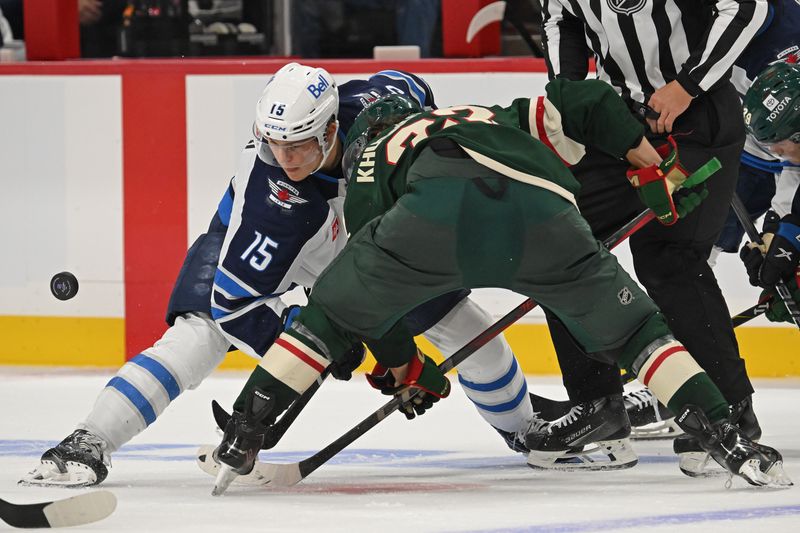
point(641, 45)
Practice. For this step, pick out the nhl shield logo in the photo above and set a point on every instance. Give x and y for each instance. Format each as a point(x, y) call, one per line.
point(625, 296)
point(626, 7)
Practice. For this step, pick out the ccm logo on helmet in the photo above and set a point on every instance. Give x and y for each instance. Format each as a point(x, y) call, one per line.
point(316, 89)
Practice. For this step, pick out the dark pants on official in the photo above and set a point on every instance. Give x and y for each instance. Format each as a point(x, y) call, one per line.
point(670, 262)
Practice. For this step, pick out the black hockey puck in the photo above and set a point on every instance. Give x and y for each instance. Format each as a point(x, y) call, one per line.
point(64, 285)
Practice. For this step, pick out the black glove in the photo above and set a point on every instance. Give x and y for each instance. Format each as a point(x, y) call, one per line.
point(783, 253)
point(343, 369)
point(752, 258)
point(782, 238)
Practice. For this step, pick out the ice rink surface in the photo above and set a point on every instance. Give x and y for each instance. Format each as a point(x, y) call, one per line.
point(445, 472)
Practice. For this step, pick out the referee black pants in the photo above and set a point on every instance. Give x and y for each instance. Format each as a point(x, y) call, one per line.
point(670, 262)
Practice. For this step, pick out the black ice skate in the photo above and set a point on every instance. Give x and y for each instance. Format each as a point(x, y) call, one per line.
point(650, 419)
point(694, 461)
point(591, 436)
point(728, 445)
point(80, 460)
point(244, 435)
point(516, 440)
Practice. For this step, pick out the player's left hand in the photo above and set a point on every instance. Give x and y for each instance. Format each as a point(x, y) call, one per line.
point(344, 367)
point(669, 101)
point(421, 373)
point(783, 253)
point(778, 258)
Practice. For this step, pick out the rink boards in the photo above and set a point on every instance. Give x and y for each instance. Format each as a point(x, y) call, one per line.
point(110, 170)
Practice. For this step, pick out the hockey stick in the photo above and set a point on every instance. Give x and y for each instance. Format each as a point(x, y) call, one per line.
point(74, 511)
point(752, 233)
point(276, 431)
point(751, 312)
point(287, 475)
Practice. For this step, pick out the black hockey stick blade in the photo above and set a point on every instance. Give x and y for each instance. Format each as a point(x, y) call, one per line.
point(74, 511)
point(289, 474)
point(783, 291)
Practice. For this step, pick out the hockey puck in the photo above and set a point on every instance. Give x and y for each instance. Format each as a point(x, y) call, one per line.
point(64, 285)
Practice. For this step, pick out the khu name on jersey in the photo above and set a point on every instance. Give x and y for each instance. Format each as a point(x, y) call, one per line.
point(366, 165)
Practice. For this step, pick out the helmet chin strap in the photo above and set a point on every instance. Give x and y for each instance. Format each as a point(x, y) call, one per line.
point(326, 146)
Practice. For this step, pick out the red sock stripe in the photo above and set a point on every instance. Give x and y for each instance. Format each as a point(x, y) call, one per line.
point(300, 355)
point(660, 359)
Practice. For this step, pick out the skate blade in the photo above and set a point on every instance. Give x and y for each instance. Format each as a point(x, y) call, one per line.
point(774, 477)
point(205, 460)
point(666, 429)
point(224, 478)
point(598, 456)
point(778, 475)
point(47, 475)
point(699, 464)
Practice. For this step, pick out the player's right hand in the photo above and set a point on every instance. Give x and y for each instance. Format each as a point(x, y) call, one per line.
point(422, 373)
point(655, 184)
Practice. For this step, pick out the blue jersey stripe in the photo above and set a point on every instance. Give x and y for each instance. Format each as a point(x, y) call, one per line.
point(225, 207)
point(416, 88)
point(159, 372)
point(505, 406)
point(216, 314)
point(136, 398)
point(228, 285)
point(494, 385)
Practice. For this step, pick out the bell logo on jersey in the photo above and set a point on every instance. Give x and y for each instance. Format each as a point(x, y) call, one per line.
point(285, 195)
point(316, 89)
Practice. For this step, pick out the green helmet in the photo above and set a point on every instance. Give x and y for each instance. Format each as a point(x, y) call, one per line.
point(374, 119)
point(772, 104)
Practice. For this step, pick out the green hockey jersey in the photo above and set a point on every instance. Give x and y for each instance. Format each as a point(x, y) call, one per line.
point(530, 140)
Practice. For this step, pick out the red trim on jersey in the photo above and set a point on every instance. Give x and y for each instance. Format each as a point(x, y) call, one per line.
point(155, 199)
point(300, 354)
point(660, 359)
point(542, 132)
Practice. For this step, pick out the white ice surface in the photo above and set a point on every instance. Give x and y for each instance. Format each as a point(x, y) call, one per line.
point(446, 471)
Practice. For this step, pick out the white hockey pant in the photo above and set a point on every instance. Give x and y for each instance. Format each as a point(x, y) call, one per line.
point(185, 355)
point(490, 377)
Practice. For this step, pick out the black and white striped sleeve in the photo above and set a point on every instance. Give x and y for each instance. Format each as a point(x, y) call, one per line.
point(735, 23)
point(564, 41)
